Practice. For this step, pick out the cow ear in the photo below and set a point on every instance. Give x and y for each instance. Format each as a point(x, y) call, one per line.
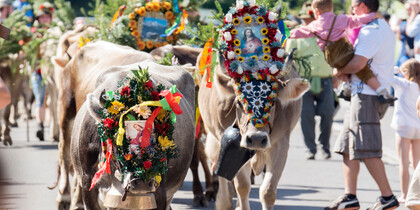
point(94, 106)
point(293, 90)
point(61, 62)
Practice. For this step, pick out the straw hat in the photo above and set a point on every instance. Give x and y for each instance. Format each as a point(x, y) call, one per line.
point(306, 11)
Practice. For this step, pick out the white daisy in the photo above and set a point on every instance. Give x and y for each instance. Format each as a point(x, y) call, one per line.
point(248, 88)
point(264, 87)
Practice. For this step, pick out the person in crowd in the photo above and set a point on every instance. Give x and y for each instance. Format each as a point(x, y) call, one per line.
point(21, 4)
point(5, 96)
point(407, 43)
point(405, 121)
point(360, 137)
point(413, 27)
point(320, 99)
point(44, 17)
point(330, 31)
point(5, 9)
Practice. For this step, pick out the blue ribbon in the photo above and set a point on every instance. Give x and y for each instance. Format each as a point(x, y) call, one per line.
point(176, 7)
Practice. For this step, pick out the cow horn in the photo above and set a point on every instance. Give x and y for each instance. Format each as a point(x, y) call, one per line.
point(288, 64)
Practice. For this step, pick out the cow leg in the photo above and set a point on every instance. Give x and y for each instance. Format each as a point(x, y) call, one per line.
point(224, 198)
point(199, 199)
point(77, 200)
point(90, 198)
point(210, 189)
point(63, 197)
point(276, 161)
point(243, 186)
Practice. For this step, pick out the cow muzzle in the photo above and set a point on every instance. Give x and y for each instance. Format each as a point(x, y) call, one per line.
point(258, 140)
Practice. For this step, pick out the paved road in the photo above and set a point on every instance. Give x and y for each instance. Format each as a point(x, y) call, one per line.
point(28, 168)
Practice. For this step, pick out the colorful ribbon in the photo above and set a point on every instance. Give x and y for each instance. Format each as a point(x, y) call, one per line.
point(183, 21)
point(176, 7)
point(106, 167)
point(174, 26)
point(118, 14)
point(285, 31)
point(170, 102)
point(206, 60)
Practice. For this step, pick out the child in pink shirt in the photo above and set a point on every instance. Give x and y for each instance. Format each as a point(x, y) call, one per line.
point(338, 51)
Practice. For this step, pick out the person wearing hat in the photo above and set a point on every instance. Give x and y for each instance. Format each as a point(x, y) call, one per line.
point(43, 17)
point(320, 99)
point(5, 9)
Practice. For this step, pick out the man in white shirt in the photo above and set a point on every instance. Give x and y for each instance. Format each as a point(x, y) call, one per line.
point(360, 138)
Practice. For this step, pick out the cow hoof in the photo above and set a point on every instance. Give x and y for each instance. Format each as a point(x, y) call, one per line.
point(7, 141)
point(210, 196)
point(14, 125)
point(64, 205)
point(200, 201)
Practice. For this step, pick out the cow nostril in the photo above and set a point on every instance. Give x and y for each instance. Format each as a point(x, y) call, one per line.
point(248, 140)
point(264, 141)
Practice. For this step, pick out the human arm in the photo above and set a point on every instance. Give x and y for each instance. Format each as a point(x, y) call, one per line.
point(355, 65)
point(301, 32)
point(355, 21)
point(4, 94)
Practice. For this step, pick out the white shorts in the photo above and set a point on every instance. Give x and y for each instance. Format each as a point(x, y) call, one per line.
point(408, 132)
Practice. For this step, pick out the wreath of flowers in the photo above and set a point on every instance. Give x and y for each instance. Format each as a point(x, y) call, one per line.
point(262, 68)
point(161, 10)
point(137, 99)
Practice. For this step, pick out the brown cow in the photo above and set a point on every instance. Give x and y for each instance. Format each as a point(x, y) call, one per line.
point(75, 82)
point(219, 109)
point(86, 144)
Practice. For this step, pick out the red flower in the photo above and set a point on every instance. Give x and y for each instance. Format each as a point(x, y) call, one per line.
point(155, 95)
point(33, 29)
point(163, 128)
point(147, 164)
point(163, 159)
point(148, 84)
point(126, 91)
point(109, 123)
point(21, 42)
point(310, 13)
point(41, 7)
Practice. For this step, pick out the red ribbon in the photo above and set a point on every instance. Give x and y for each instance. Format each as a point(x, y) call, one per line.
point(106, 167)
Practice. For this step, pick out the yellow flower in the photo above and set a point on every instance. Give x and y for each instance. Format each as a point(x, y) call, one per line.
point(135, 33)
point(142, 11)
point(266, 49)
point(132, 23)
point(156, 6)
point(264, 31)
point(132, 16)
point(169, 15)
point(254, 57)
point(247, 19)
point(241, 59)
point(237, 42)
point(149, 6)
point(165, 142)
point(234, 31)
point(167, 5)
point(158, 179)
point(161, 115)
point(236, 21)
point(141, 45)
point(260, 20)
point(265, 41)
point(149, 44)
point(238, 51)
point(116, 107)
point(266, 57)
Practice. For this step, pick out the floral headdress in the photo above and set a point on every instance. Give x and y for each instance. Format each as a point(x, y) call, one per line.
point(251, 42)
point(146, 105)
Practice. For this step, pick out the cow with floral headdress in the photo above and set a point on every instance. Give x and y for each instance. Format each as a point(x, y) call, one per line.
point(249, 99)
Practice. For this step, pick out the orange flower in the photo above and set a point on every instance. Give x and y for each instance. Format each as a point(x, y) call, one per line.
point(128, 156)
point(156, 6)
point(157, 44)
point(149, 6)
point(167, 5)
point(142, 11)
point(132, 23)
point(141, 45)
point(135, 33)
point(132, 16)
point(149, 44)
point(169, 15)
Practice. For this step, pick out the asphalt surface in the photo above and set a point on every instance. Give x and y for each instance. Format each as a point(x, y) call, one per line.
point(29, 167)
